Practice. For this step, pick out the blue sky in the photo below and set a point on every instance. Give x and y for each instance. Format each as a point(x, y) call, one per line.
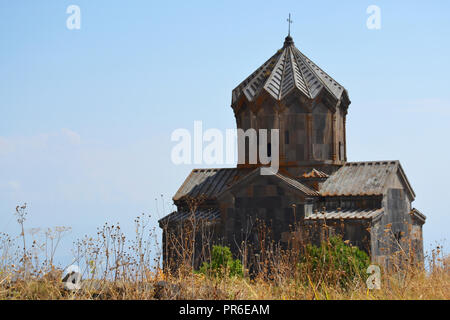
point(86, 115)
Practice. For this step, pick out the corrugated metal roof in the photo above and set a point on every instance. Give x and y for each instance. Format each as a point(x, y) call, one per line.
point(288, 69)
point(210, 214)
point(209, 182)
point(346, 214)
point(359, 178)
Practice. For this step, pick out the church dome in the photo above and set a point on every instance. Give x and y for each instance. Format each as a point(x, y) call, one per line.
point(287, 70)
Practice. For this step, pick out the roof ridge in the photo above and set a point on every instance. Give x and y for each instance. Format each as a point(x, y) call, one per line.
point(283, 76)
point(279, 64)
point(309, 67)
point(298, 53)
point(294, 60)
point(327, 76)
point(253, 74)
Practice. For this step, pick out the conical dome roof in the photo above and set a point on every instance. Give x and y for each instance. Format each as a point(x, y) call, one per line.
point(288, 70)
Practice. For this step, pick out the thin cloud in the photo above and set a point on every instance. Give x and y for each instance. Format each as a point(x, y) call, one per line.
point(73, 137)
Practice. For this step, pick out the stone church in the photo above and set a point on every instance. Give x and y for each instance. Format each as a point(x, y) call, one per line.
point(315, 190)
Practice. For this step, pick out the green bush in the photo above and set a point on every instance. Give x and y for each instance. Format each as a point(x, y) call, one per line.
point(334, 262)
point(222, 263)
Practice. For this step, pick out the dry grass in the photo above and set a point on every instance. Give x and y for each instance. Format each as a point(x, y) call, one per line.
point(114, 267)
point(416, 285)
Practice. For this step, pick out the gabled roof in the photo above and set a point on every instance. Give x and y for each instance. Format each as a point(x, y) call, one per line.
point(286, 70)
point(370, 214)
point(282, 178)
point(209, 183)
point(364, 178)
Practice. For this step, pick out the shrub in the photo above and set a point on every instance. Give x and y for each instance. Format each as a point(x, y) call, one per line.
point(334, 262)
point(222, 263)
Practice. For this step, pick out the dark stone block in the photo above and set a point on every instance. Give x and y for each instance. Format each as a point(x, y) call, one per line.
point(280, 191)
point(300, 152)
point(259, 191)
point(319, 136)
point(299, 122)
point(319, 122)
point(268, 202)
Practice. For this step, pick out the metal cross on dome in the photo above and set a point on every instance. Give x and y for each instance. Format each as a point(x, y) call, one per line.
point(289, 22)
